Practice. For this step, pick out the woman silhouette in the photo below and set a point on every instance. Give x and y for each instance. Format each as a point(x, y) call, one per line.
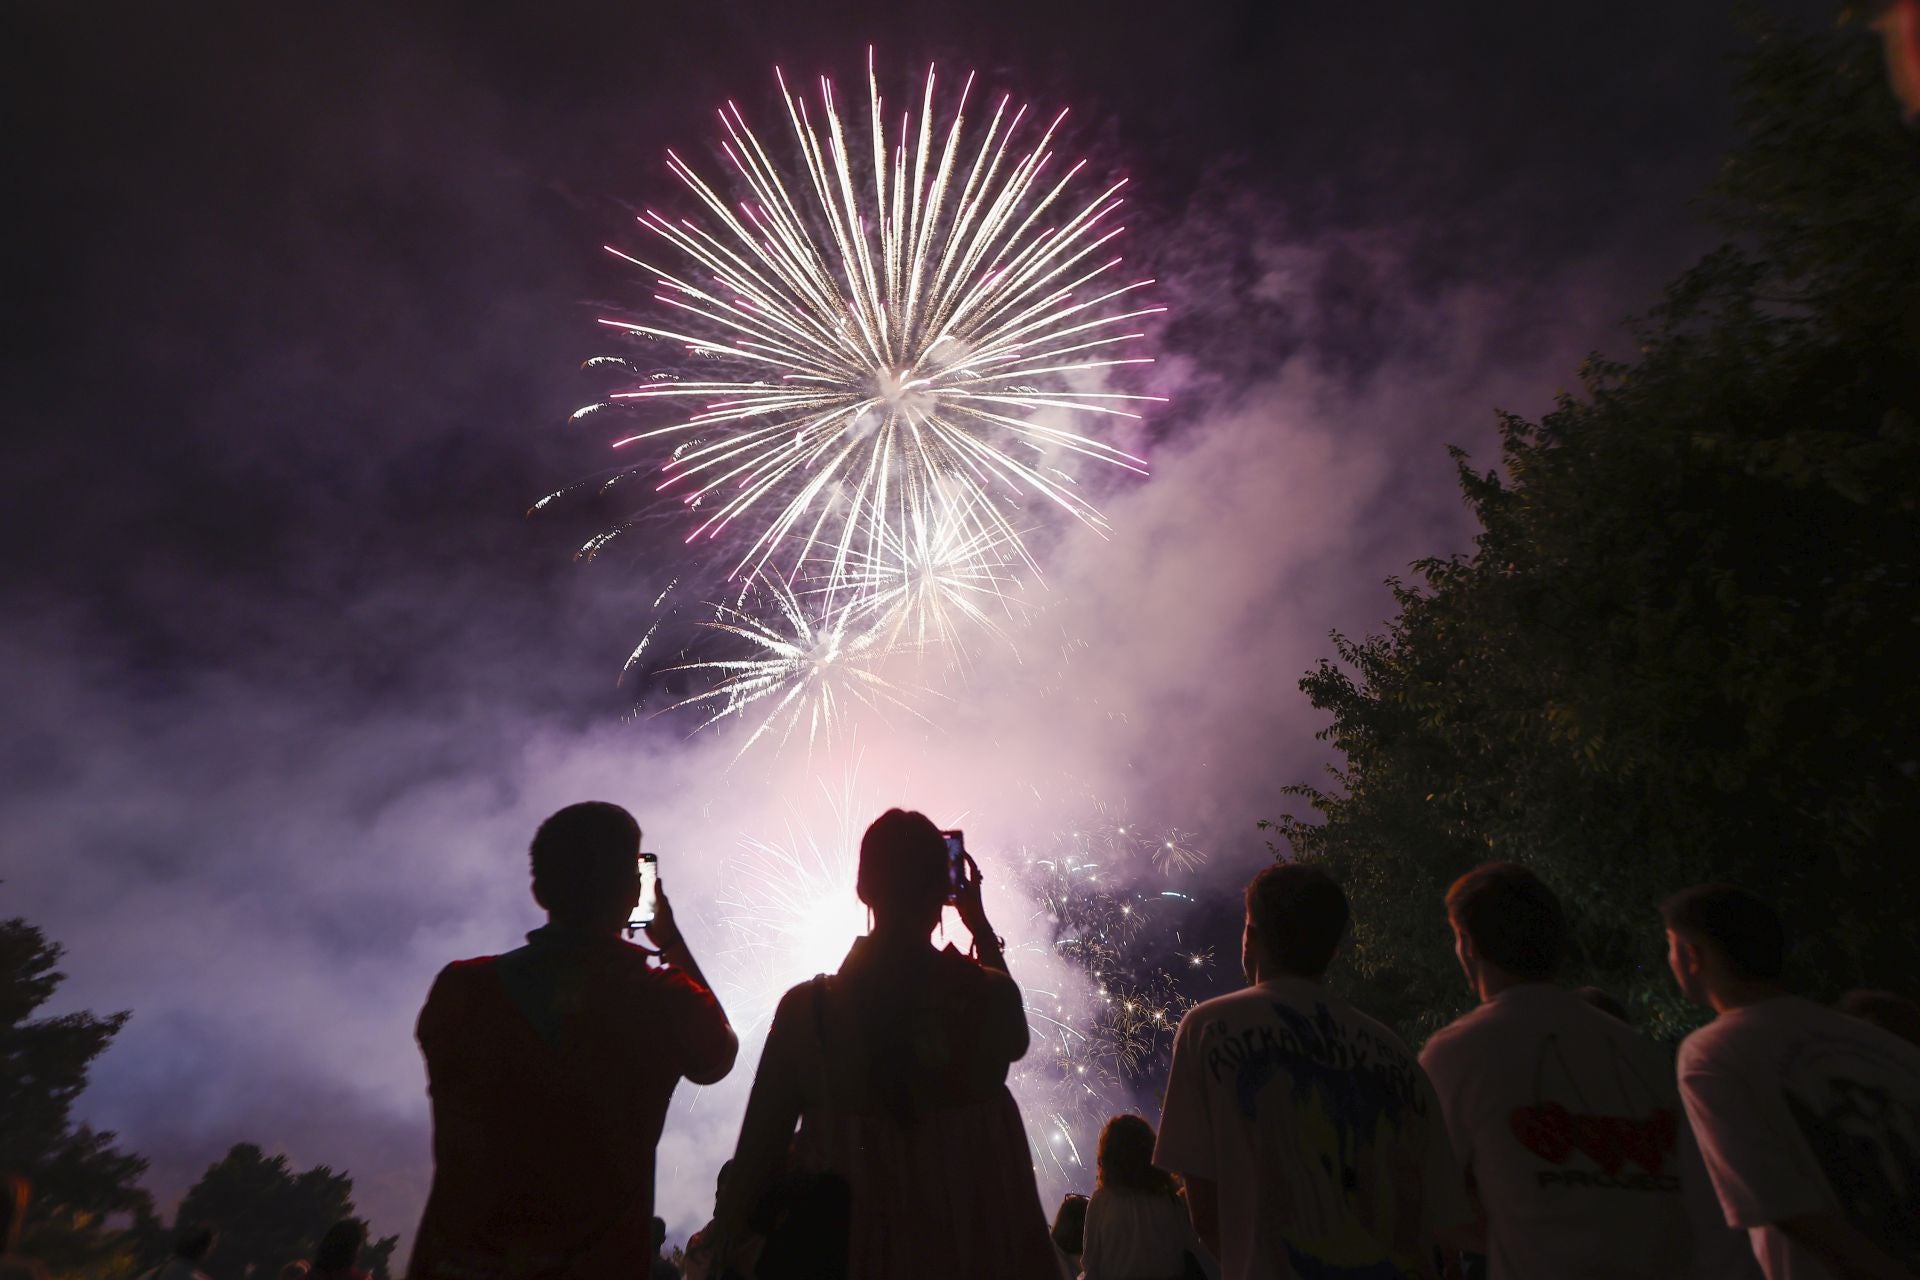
point(895, 1069)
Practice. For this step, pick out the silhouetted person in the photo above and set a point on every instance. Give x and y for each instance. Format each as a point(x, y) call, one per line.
point(1308, 1136)
point(1070, 1232)
point(700, 1262)
point(1809, 1119)
point(1605, 1001)
point(338, 1257)
point(13, 1204)
point(662, 1267)
point(1567, 1123)
point(1137, 1225)
point(191, 1245)
point(551, 1067)
point(895, 1068)
point(1885, 1010)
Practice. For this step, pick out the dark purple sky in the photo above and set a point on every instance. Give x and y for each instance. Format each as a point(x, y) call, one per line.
point(297, 302)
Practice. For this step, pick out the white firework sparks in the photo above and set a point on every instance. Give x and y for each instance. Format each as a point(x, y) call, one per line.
point(895, 330)
point(929, 582)
point(807, 670)
point(791, 912)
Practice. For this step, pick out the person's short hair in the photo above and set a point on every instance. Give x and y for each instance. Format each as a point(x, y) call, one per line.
point(1604, 1000)
point(1885, 1009)
point(903, 863)
point(340, 1248)
point(193, 1241)
point(1070, 1224)
point(1744, 929)
point(659, 1232)
point(583, 857)
point(1511, 918)
point(1299, 915)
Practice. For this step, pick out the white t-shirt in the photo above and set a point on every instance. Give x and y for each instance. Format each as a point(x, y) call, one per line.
point(1319, 1130)
point(1136, 1235)
point(1570, 1124)
point(1801, 1108)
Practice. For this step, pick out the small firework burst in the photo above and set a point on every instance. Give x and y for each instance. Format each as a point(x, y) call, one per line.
point(806, 670)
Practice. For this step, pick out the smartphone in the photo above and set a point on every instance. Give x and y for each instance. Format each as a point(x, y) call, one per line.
point(649, 896)
point(956, 862)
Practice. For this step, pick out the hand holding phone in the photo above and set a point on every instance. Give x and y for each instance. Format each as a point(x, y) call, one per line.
point(956, 863)
point(963, 890)
point(648, 907)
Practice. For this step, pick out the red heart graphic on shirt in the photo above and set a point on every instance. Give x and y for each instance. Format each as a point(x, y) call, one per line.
point(1546, 1131)
point(1598, 1138)
point(1647, 1142)
point(1553, 1133)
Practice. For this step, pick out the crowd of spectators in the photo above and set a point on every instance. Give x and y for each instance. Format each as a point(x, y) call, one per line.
point(1538, 1136)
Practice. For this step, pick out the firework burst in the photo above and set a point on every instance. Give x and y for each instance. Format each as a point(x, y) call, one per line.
point(931, 580)
point(897, 328)
point(805, 669)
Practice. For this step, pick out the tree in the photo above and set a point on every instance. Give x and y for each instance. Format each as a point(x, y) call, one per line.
point(88, 1213)
point(267, 1215)
point(1682, 648)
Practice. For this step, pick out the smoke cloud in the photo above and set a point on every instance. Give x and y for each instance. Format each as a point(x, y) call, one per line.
point(294, 681)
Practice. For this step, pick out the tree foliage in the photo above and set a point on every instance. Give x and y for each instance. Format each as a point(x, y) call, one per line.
point(268, 1215)
point(1683, 647)
point(89, 1217)
point(88, 1212)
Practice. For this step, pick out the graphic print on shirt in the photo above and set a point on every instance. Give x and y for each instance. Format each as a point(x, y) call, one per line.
point(1865, 1138)
point(1344, 1194)
point(1629, 1149)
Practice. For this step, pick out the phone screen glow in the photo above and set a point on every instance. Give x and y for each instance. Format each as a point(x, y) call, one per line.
point(649, 899)
point(956, 862)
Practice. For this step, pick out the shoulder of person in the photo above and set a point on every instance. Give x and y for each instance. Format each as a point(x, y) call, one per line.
point(1699, 1047)
point(1228, 1002)
point(1835, 1024)
point(1477, 1023)
point(797, 1002)
point(1217, 1015)
point(1736, 1035)
point(461, 976)
point(1379, 1031)
point(963, 970)
point(468, 969)
point(1629, 1039)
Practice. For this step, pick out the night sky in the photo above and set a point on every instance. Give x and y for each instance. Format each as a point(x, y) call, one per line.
point(298, 300)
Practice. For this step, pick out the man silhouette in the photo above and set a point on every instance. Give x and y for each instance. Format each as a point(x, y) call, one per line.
point(551, 1067)
point(1567, 1122)
point(1308, 1135)
point(1809, 1119)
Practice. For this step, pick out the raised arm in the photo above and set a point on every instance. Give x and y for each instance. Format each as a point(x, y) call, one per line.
point(1009, 1014)
point(710, 1043)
